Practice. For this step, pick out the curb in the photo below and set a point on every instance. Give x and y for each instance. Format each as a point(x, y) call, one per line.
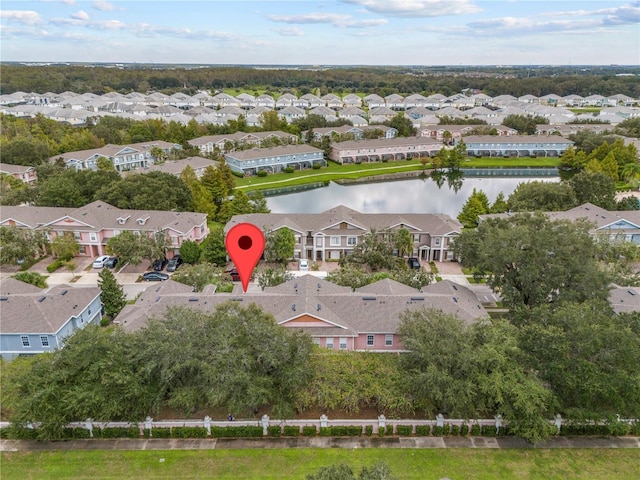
point(318, 442)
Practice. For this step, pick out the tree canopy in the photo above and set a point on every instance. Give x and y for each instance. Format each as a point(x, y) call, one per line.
point(532, 260)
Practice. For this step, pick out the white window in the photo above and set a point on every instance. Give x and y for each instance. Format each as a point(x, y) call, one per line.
point(437, 241)
point(370, 340)
point(316, 341)
point(25, 341)
point(93, 237)
point(388, 340)
point(76, 235)
point(319, 241)
point(44, 340)
point(343, 344)
point(416, 237)
point(329, 343)
point(335, 241)
point(351, 241)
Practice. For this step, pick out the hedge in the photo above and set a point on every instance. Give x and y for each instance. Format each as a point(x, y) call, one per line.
point(118, 432)
point(157, 432)
point(55, 265)
point(341, 431)
point(423, 430)
point(368, 430)
point(236, 432)
point(274, 430)
point(291, 431)
point(309, 431)
point(404, 430)
point(77, 432)
point(189, 432)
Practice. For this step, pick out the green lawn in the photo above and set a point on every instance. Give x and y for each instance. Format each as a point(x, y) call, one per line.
point(352, 171)
point(422, 464)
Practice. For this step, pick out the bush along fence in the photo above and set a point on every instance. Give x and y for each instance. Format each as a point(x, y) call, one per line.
point(324, 427)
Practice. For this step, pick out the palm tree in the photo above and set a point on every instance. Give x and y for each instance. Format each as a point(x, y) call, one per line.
point(631, 172)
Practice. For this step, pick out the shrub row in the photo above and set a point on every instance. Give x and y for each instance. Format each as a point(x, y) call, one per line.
point(568, 429)
point(55, 265)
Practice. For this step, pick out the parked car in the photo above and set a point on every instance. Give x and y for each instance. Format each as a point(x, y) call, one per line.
point(154, 276)
point(303, 264)
point(111, 262)
point(174, 263)
point(414, 263)
point(159, 265)
point(100, 261)
point(235, 276)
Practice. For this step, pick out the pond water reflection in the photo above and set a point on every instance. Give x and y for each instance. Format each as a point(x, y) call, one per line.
point(411, 196)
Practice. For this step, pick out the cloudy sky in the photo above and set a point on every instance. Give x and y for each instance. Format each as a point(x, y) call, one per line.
point(338, 32)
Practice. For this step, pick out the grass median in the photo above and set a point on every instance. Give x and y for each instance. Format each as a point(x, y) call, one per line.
point(422, 464)
point(333, 171)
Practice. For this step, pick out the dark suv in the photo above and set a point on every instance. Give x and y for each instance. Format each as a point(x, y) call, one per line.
point(111, 263)
point(159, 265)
point(174, 263)
point(414, 263)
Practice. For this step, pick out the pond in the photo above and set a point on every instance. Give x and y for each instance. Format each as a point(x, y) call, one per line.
point(417, 195)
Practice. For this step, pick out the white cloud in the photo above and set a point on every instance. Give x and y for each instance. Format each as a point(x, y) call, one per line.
point(80, 15)
point(103, 6)
point(24, 17)
point(335, 19)
point(330, 18)
point(418, 8)
point(629, 13)
point(289, 32)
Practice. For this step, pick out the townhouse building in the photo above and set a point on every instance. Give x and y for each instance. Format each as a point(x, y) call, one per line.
point(94, 224)
point(24, 173)
point(379, 150)
point(334, 233)
point(123, 157)
point(335, 317)
point(516, 145)
point(274, 159)
point(36, 320)
point(227, 142)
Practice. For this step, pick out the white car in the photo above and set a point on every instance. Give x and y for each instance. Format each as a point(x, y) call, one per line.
point(100, 261)
point(303, 264)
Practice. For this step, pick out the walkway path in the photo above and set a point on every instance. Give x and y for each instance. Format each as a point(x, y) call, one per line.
point(318, 442)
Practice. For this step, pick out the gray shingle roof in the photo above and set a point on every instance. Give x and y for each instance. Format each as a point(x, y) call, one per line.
point(42, 311)
point(337, 310)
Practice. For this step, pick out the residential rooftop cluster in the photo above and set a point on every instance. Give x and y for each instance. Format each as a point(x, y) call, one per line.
point(220, 108)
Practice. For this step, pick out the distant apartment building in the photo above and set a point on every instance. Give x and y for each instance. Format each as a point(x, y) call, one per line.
point(380, 150)
point(516, 145)
point(275, 159)
point(240, 140)
point(24, 173)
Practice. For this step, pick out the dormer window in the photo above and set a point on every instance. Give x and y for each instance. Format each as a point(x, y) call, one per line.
point(123, 220)
point(142, 220)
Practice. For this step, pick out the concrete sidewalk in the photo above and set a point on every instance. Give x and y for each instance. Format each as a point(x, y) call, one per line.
point(317, 442)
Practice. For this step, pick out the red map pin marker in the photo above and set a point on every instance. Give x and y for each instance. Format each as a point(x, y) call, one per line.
point(245, 244)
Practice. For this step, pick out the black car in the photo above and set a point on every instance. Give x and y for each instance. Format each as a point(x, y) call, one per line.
point(155, 277)
point(414, 263)
point(111, 262)
point(159, 265)
point(174, 263)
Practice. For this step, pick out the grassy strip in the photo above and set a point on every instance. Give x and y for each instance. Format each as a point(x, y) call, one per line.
point(352, 171)
point(423, 464)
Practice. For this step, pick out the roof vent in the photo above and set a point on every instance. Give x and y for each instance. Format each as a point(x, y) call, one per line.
point(455, 299)
point(368, 298)
point(42, 299)
point(64, 292)
point(319, 307)
point(631, 292)
point(4, 299)
point(157, 299)
point(193, 299)
point(236, 299)
point(293, 307)
point(416, 299)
